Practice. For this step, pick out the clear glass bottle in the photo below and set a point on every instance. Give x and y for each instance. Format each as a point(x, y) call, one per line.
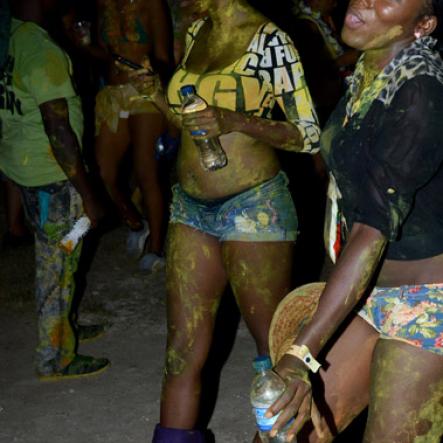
point(212, 155)
point(266, 388)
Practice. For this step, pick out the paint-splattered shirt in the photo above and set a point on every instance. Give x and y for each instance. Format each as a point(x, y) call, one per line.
point(268, 72)
point(387, 156)
point(37, 71)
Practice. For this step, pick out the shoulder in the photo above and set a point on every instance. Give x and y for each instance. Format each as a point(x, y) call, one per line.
point(423, 91)
point(27, 35)
point(419, 71)
point(274, 35)
point(29, 38)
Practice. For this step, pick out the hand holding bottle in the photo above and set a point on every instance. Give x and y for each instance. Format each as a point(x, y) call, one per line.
point(211, 120)
point(212, 155)
point(296, 400)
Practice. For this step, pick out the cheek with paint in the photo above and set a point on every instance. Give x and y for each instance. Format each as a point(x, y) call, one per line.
point(383, 39)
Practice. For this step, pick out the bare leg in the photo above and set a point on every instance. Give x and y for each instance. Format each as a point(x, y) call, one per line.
point(110, 148)
point(145, 129)
point(406, 402)
point(195, 282)
point(258, 284)
point(341, 390)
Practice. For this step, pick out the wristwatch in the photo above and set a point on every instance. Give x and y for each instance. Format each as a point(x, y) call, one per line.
point(304, 354)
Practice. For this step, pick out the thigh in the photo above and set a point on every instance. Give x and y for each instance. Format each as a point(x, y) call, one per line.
point(341, 388)
point(406, 401)
point(195, 282)
point(260, 276)
point(110, 147)
point(145, 129)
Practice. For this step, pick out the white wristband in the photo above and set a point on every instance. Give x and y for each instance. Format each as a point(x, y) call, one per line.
point(303, 353)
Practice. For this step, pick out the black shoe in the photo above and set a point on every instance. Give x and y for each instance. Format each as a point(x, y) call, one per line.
point(90, 332)
point(80, 366)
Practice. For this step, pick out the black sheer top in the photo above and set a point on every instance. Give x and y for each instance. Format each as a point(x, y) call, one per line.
point(388, 167)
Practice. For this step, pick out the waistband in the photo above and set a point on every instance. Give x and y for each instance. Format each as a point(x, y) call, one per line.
point(279, 179)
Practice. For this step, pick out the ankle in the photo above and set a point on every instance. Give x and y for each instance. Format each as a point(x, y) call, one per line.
point(173, 435)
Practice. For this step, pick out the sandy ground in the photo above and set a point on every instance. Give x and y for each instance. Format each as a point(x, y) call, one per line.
point(120, 405)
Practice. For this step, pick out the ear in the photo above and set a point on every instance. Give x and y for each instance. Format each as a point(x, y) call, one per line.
point(425, 26)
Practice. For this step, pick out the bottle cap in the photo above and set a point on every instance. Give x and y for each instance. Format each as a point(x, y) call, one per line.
point(262, 363)
point(187, 90)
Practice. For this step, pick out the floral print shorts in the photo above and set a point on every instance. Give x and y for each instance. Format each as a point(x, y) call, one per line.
point(413, 314)
point(263, 213)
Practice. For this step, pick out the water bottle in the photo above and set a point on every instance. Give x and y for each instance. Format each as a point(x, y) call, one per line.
point(212, 155)
point(266, 388)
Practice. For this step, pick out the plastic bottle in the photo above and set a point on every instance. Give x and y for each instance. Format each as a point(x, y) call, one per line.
point(212, 155)
point(266, 388)
point(78, 231)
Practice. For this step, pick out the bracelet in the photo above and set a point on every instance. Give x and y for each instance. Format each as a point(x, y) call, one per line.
point(304, 354)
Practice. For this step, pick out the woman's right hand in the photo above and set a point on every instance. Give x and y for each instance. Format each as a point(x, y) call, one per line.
point(145, 81)
point(296, 400)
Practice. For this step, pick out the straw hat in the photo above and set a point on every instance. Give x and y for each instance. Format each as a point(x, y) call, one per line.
point(291, 315)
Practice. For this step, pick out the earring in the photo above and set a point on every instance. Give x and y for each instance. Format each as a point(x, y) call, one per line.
point(417, 35)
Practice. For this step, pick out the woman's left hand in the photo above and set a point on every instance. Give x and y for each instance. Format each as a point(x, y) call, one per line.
point(296, 400)
point(211, 122)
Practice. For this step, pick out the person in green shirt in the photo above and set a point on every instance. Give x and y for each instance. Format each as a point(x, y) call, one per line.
point(41, 128)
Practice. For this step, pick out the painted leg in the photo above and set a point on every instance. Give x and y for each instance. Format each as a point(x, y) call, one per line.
point(195, 282)
point(341, 389)
point(260, 276)
point(406, 403)
point(145, 130)
point(110, 149)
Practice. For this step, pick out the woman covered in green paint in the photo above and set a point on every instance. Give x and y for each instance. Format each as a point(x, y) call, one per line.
point(384, 147)
point(236, 225)
point(139, 32)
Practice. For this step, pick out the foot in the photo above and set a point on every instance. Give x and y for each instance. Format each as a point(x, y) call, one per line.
point(80, 366)
point(90, 332)
point(151, 262)
point(135, 243)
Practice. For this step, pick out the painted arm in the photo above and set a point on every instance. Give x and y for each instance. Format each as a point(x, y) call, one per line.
point(346, 285)
point(66, 150)
point(218, 121)
point(285, 80)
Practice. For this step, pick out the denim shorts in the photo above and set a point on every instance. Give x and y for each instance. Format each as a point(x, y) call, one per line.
point(265, 212)
point(413, 314)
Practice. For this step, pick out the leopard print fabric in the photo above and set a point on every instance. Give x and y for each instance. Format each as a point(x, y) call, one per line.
point(419, 58)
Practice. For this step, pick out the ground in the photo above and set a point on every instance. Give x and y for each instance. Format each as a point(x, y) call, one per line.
point(120, 405)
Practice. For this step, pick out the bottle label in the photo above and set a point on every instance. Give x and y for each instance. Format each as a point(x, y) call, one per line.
point(264, 424)
point(199, 132)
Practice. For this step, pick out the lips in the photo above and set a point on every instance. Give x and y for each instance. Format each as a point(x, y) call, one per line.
point(353, 19)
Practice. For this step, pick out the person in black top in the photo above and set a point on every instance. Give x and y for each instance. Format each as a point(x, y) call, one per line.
point(384, 147)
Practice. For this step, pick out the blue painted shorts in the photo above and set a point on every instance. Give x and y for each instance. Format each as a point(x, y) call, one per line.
point(265, 212)
point(413, 314)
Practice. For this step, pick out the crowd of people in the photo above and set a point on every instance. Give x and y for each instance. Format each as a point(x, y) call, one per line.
point(346, 124)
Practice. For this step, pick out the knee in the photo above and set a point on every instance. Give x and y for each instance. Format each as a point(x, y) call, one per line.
point(183, 359)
